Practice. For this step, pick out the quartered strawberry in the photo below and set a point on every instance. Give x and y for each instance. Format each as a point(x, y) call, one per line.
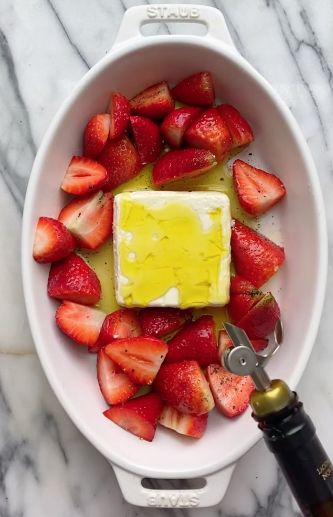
point(210, 131)
point(147, 138)
point(257, 190)
point(153, 102)
point(138, 416)
point(115, 385)
point(83, 176)
point(177, 122)
point(52, 241)
point(119, 109)
point(160, 321)
point(189, 425)
point(182, 163)
point(195, 341)
point(225, 342)
point(197, 89)
point(89, 218)
point(72, 279)
point(121, 160)
point(256, 257)
point(261, 319)
point(239, 128)
point(243, 296)
point(119, 324)
point(96, 134)
point(183, 386)
point(231, 392)
point(139, 357)
point(79, 322)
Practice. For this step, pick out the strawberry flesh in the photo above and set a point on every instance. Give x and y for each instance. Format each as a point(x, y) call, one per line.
point(256, 257)
point(153, 102)
point(197, 89)
point(243, 295)
point(175, 165)
point(119, 109)
point(261, 319)
point(147, 138)
point(96, 134)
point(79, 322)
point(119, 324)
point(239, 128)
point(121, 160)
point(139, 357)
point(195, 341)
point(177, 122)
point(183, 386)
point(83, 176)
point(188, 425)
point(225, 342)
point(257, 190)
point(115, 385)
point(52, 241)
point(138, 416)
point(72, 279)
point(161, 321)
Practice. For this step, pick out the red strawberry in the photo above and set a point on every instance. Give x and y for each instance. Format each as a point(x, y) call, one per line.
point(79, 322)
point(189, 425)
point(225, 342)
point(121, 160)
point(183, 386)
point(261, 319)
point(243, 295)
point(153, 102)
point(96, 134)
point(184, 162)
point(119, 109)
point(197, 89)
point(209, 131)
point(138, 416)
point(72, 279)
point(115, 386)
point(231, 392)
point(139, 357)
point(119, 324)
point(257, 190)
point(239, 128)
point(177, 122)
point(160, 321)
point(89, 218)
point(52, 241)
point(83, 176)
point(255, 257)
point(195, 341)
point(147, 138)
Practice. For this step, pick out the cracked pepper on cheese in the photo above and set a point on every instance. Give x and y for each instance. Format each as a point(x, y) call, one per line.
point(172, 249)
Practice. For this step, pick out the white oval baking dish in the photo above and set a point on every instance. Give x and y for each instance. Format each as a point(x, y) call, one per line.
point(133, 63)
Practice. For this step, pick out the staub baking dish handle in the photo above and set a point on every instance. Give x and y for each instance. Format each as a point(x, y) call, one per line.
point(135, 17)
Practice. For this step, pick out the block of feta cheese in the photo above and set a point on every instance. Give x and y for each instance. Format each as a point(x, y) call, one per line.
point(172, 249)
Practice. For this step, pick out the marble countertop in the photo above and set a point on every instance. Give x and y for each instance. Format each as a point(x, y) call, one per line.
point(46, 466)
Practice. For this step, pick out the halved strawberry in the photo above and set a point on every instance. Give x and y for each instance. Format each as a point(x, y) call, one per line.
point(119, 109)
point(153, 102)
point(115, 385)
point(177, 122)
point(138, 416)
point(231, 392)
point(139, 357)
point(147, 138)
point(243, 295)
point(257, 190)
point(52, 241)
point(79, 322)
point(183, 386)
point(121, 160)
point(195, 341)
point(255, 257)
point(189, 425)
point(209, 131)
point(89, 218)
point(261, 319)
point(225, 342)
point(160, 321)
point(72, 279)
point(239, 128)
point(83, 176)
point(96, 134)
point(119, 324)
point(184, 162)
point(197, 89)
